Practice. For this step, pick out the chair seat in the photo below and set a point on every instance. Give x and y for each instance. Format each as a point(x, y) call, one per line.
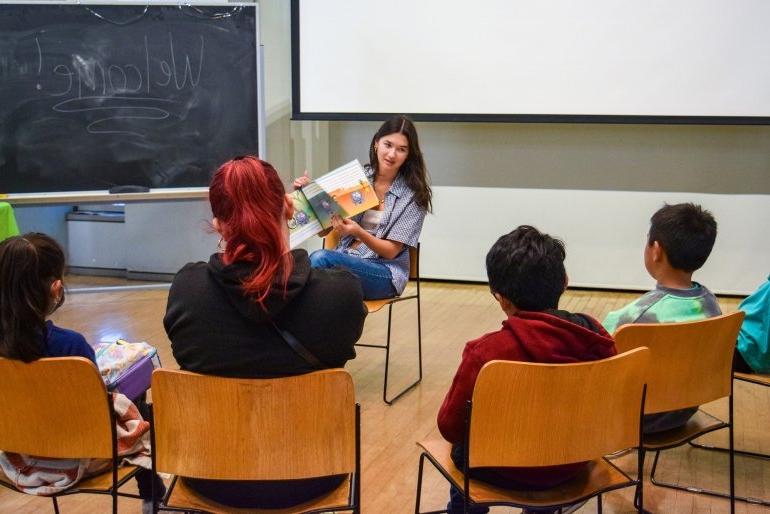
point(103, 482)
point(375, 305)
point(701, 423)
point(601, 476)
point(754, 378)
point(183, 496)
point(100, 482)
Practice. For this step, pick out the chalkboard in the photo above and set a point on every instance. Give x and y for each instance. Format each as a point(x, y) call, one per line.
point(94, 96)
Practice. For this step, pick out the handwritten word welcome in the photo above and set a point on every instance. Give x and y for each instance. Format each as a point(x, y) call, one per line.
point(88, 76)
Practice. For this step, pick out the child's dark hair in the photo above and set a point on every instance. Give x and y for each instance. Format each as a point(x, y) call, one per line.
point(527, 267)
point(29, 264)
point(686, 232)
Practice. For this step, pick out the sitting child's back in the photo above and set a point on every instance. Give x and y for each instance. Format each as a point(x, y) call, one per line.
point(666, 305)
point(31, 279)
point(679, 242)
point(527, 278)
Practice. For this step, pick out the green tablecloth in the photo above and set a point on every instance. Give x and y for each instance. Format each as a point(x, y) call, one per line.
point(8, 225)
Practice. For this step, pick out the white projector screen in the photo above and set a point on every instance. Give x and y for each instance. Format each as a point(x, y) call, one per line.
point(657, 61)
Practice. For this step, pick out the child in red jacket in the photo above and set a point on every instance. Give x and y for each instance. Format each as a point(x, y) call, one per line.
point(527, 277)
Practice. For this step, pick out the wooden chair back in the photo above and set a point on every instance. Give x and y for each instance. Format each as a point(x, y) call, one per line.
point(254, 429)
point(531, 414)
point(691, 362)
point(331, 240)
point(54, 407)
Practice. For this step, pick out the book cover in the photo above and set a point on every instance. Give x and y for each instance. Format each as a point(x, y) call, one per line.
point(344, 192)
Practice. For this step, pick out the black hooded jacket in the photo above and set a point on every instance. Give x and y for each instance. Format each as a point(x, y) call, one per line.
point(215, 330)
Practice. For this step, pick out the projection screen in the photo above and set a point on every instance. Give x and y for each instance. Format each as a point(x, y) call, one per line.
point(658, 61)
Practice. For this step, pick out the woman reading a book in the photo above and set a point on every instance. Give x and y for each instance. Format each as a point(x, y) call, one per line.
point(243, 313)
point(374, 245)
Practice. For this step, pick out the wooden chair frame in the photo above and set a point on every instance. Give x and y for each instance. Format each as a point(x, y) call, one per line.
point(761, 380)
point(376, 305)
point(65, 371)
point(619, 479)
point(255, 389)
point(699, 381)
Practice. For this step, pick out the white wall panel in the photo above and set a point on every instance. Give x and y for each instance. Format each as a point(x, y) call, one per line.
point(604, 232)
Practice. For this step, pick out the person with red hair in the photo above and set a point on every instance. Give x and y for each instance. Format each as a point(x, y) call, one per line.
point(243, 313)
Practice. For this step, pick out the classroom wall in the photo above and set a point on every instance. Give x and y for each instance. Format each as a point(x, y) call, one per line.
point(292, 146)
point(569, 180)
point(595, 186)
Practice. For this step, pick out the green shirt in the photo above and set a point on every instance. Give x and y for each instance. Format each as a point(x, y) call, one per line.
point(666, 305)
point(754, 337)
point(8, 225)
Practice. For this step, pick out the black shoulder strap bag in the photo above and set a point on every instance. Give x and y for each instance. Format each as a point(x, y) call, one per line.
point(298, 347)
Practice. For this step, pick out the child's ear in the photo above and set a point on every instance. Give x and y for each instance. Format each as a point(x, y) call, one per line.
point(57, 295)
point(658, 254)
point(566, 282)
point(57, 286)
point(505, 304)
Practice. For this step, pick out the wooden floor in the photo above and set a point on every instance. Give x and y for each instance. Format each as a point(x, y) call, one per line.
point(452, 314)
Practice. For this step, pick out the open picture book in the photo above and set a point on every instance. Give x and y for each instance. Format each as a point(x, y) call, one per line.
point(344, 191)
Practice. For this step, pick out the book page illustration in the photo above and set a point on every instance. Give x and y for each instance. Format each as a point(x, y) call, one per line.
point(323, 204)
point(304, 223)
point(348, 188)
point(344, 192)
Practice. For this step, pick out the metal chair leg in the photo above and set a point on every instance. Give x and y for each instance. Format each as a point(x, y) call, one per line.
point(698, 490)
point(419, 484)
point(745, 453)
point(387, 357)
point(55, 504)
point(639, 494)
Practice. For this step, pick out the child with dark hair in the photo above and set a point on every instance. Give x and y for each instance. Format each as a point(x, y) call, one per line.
point(527, 278)
point(679, 242)
point(31, 289)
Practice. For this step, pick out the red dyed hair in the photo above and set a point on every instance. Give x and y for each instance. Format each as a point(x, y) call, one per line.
point(247, 197)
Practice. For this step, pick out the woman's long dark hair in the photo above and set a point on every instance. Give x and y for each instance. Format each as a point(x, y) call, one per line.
point(29, 264)
point(413, 170)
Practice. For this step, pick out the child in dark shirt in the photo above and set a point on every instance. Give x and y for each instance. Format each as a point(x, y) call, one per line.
point(31, 289)
point(527, 278)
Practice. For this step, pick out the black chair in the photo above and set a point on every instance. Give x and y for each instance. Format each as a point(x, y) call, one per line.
point(330, 241)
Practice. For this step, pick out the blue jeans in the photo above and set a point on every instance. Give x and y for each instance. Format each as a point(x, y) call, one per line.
point(375, 277)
